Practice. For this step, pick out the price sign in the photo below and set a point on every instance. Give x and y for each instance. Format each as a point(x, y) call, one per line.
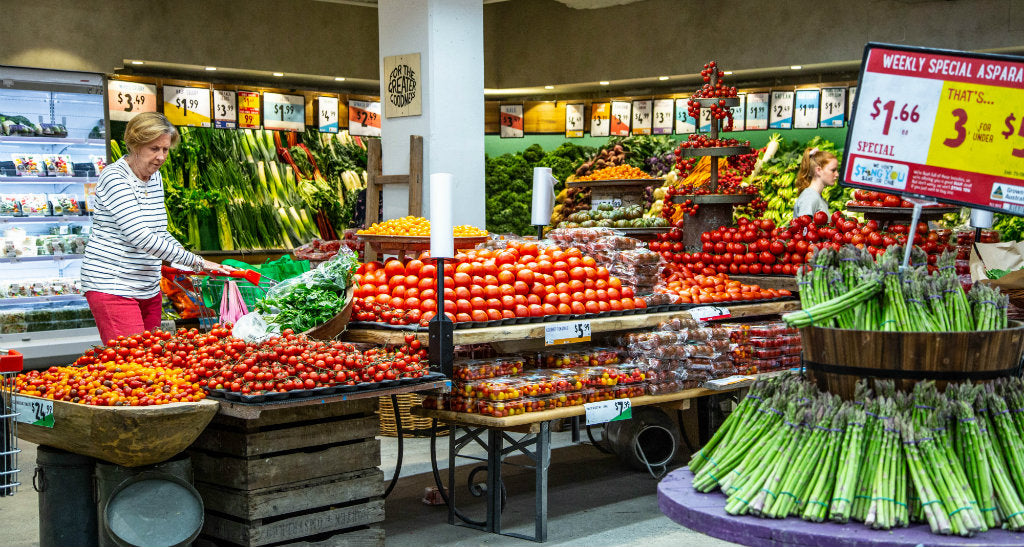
point(642, 118)
point(685, 123)
point(757, 112)
point(664, 116)
point(284, 112)
point(249, 110)
point(833, 107)
point(620, 118)
point(614, 202)
point(34, 411)
point(738, 112)
point(608, 411)
point(600, 123)
point(805, 109)
point(939, 124)
point(511, 121)
point(780, 115)
point(364, 118)
point(187, 105)
point(566, 333)
point(574, 121)
point(327, 113)
point(705, 120)
point(225, 109)
point(849, 101)
point(710, 313)
point(126, 99)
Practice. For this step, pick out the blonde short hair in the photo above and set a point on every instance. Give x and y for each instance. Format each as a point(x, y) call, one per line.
point(147, 127)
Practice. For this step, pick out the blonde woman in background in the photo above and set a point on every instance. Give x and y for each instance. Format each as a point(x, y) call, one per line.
point(818, 170)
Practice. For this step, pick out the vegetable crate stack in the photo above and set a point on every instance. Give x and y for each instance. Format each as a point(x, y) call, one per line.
point(292, 475)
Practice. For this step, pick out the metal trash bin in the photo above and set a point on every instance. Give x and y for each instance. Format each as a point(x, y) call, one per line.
point(67, 505)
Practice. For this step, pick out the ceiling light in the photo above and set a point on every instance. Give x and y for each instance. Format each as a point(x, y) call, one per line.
point(279, 74)
point(339, 79)
point(663, 78)
point(796, 67)
point(604, 83)
point(137, 62)
point(211, 68)
point(549, 87)
point(727, 73)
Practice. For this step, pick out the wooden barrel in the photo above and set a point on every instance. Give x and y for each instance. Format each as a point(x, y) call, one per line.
point(837, 358)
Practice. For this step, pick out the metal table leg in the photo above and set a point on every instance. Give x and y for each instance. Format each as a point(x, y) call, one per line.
point(494, 454)
point(543, 460)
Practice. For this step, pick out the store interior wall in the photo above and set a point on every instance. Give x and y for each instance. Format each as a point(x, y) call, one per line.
point(527, 42)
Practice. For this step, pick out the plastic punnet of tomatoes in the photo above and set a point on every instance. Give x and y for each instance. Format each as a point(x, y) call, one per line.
point(495, 389)
point(594, 395)
point(598, 376)
point(629, 373)
point(559, 400)
point(600, 356)
point(565, 359)
point(501, 409)
point(630, 390)
point(537, 384)
point(661, 388)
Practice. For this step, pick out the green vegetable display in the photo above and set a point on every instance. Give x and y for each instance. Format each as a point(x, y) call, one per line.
point(313, 298)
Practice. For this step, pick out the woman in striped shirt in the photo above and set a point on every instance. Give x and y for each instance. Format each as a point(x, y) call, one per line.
point(121, 269)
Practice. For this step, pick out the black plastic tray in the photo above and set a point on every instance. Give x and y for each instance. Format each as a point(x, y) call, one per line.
point(317, 393)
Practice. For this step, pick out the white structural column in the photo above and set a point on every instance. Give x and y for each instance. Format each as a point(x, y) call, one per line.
point(448, 35)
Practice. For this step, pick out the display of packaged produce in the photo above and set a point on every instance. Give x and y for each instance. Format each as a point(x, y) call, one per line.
point(598, 376)
point(657, 375)
point(535, 385)
point(480, 369)
point(675, 351)
point(59, 166)
point(709, 348)
point(601, 356)
point(715, 363)
point(625, 391)
point(559, 400)
point(789, 361)
point(641, 284)
point(703, 334)
point(33, 204)
point(28, 165)
point(659, 299)
point(594, 395)
point(660, 364)
point(63, 204)
point(770, 329)
point(661, 388)
point(494, 389)
point(646, 341)
point(577, 236)
point(565, 359)
point(679, 323)
point(45, 287)
point(775, 341)
point(724, 372)
point(630, 373)
point(9, 204)
point(611, 243)
point(501, 409)
point(435, 402)
point(639, 257)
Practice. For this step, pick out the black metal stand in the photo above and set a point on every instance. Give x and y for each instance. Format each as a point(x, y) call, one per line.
point(540, 233)
point(441, 344)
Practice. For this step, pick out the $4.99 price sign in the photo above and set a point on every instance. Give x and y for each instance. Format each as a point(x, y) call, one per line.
point(566, 333)
point(608, 411)
point(940, 124)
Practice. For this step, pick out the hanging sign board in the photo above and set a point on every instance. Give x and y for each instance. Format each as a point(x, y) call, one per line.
point(248, 110)
point(574, 121)
point(757, 112)
point(225, 109)
point(849, 101)
point(599, 119)
point(642, 117)
point(402, 92)
point(187, 105)
point(805, 110)
point(364, 118)
point(620, 119)
point(284, 112)
point(781, 115)
point(511, 121)
point(327, 114)
point(126, 99)
point(685, 123)
point(664, 116)
point(941, 124)
point(738, 113)
point(833, 107)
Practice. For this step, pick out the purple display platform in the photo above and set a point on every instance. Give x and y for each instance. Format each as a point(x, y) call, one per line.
point(705, 513)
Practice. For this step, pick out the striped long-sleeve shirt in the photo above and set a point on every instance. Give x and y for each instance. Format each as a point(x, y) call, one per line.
point(129, 236)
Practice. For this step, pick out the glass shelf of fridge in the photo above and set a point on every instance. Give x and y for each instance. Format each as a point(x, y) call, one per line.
point(75, 146)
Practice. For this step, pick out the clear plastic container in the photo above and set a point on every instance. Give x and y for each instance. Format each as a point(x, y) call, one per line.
point(501, 409)
point(661, 388)
point(598, 376)
point(595, 395)
point(565, 359)
point(535, 385)
point(566, 380)
point(558, 400)
point(494, 389)
point(625, 391)
point(679, 323)
point(630, 373)
point(603, 356)
point(460, 403)
point(771, 329)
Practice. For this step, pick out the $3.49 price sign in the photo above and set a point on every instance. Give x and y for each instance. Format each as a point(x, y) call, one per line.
point(187, 105)
point(126, 99)
point(940, 125)
point(34, 411)
point(566, 333)
point(608, 411)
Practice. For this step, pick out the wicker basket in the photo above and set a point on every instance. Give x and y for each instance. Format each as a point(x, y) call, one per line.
point(409, 422)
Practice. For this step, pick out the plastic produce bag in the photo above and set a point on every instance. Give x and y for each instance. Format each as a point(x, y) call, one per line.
point(232, 306)
point(253, 328)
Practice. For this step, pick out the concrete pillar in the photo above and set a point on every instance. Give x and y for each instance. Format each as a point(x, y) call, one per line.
point(448, 35)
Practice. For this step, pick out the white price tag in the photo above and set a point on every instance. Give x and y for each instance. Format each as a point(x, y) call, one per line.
point(685, 123)
point(574, 120)
point(757, 111)
point(664, 116)
point(284, 112)
point(614, 202)
point(569, 332)
point(608, 411)
point(705, 120)
point(225, 109)
point(642, 117)
point(364, 118)
point(34, 411)
point(805, 111)
point(709, 313)
point(833, 107)
point(732, 382)
point(781, 115)
point(327, 113)
point(188, 106)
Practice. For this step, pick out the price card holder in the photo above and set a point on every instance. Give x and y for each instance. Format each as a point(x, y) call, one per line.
point(284, 112)
point(738, 113)
point(833, 107)
point(570, 332)
point(685, 123)
point(757, 112)
point(608, 411)
point(705, 120)
point(188, 106)
point(34, 411)
point(664, 117)
point(249, 110)
point(600, 124)
point(225, 109)
point(511, 121)
point(574, 121)
point(620, 118)
point(364, 118)
point(710, 313)
point(614, 202)
point(327, 114)
point(939, 124)
point(780, 115)
point(642, 118)
point(805, 109)
point(126, 99)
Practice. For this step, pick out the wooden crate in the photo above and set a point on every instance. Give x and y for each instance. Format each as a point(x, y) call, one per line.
point(296, 476)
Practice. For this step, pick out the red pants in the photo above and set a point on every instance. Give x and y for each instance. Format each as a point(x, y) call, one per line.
point(121, 316)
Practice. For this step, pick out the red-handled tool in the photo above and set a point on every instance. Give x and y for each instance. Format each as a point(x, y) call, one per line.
point(251, 276)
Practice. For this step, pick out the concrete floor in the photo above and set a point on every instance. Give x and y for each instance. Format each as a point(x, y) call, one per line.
point(593, 500)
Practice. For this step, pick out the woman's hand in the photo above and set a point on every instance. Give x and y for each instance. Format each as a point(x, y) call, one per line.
point(209, 266)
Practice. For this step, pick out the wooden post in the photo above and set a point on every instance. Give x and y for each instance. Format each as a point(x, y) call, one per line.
point(375, 181)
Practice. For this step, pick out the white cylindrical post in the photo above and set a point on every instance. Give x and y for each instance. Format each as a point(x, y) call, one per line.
point(442, 242)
